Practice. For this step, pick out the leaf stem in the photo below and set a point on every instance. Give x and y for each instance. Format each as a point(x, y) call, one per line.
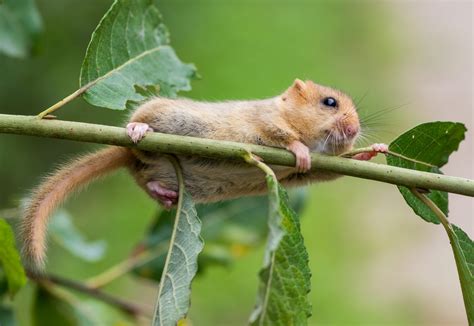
point(465, 277)
point(184, 145)
point(254, 160)
point(179, 174)
point(64, 101)
point(125, 306)
point(435, 209)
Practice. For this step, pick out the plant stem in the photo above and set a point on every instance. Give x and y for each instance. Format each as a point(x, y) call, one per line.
point(124, 267)
point(157, 142)
point(125, 306)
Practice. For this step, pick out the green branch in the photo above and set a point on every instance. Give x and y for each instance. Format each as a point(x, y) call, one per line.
point(33, 126)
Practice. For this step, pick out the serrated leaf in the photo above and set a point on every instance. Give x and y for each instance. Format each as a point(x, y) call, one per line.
point(66, 234)
point(180, 265)
point(10, 261)
point(230, 229)
point(285, 276)
point(20, 26)
point(430, 144)
point(131, 47)
point(463, 249)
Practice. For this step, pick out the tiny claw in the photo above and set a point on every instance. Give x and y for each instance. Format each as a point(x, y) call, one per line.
point(303, 158)
point(137, 130)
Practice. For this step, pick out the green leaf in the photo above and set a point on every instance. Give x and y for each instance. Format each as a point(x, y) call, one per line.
point(147, 91)
point(131, 47)
point(463, 249)
point(467, 248)
point(10, 259)
point(66, 234)
point(430, 145)
point(180, 265)
point(285, 276)
point(20, 26)
point(49, 310)
point(230, 229)
point(7, 317)
point(3, 283)
point(52, 309)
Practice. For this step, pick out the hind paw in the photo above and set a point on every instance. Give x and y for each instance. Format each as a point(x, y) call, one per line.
point(166, 197)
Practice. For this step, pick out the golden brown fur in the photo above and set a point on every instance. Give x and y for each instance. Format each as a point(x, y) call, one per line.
point(298, 115)
point(295, 115)
point(56, 188)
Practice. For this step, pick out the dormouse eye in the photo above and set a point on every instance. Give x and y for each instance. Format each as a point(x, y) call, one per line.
point(330, 101)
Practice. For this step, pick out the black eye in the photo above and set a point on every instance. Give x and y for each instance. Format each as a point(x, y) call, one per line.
point(330, 101)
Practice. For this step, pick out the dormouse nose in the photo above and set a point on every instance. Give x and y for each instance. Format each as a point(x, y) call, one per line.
point(351, 130)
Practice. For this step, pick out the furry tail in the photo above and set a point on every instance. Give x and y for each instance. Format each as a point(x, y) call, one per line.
point(55, 189)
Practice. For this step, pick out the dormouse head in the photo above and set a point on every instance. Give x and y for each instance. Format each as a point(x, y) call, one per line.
point(325, 118)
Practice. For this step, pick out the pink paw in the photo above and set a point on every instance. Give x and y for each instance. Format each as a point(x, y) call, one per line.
point(380, 148)
point(376, 148)
point(137, 130)
point(303, 158)
point(166, 197)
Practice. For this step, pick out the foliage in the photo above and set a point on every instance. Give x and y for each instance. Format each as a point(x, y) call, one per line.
point(285, 276)
point(20, 26)
point(130, 47)
point(54, 308)
point(430, 145)
point(180, 267)
point(10, 259)
point(128, 60)
point(230, 229)
point(65, 233)
point(427, 148)
point(6, 316)
point(463, 250)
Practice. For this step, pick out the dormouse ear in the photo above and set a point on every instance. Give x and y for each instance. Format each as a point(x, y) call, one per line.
point(299, 87)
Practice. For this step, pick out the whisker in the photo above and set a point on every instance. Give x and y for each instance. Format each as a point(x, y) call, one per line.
point(361, 99)
point(380, 113)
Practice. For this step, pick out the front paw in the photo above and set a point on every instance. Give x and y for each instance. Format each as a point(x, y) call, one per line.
point(376, 148)
point(303, 157)
point(137, 130)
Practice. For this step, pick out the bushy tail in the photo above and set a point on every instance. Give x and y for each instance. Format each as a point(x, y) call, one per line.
point(55, 189)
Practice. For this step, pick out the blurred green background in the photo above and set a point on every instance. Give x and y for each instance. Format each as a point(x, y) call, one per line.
point(361, 238)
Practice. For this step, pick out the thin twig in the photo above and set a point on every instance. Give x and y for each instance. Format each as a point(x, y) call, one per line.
point(123, 305)
point(64, 101)
point(124, 267)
